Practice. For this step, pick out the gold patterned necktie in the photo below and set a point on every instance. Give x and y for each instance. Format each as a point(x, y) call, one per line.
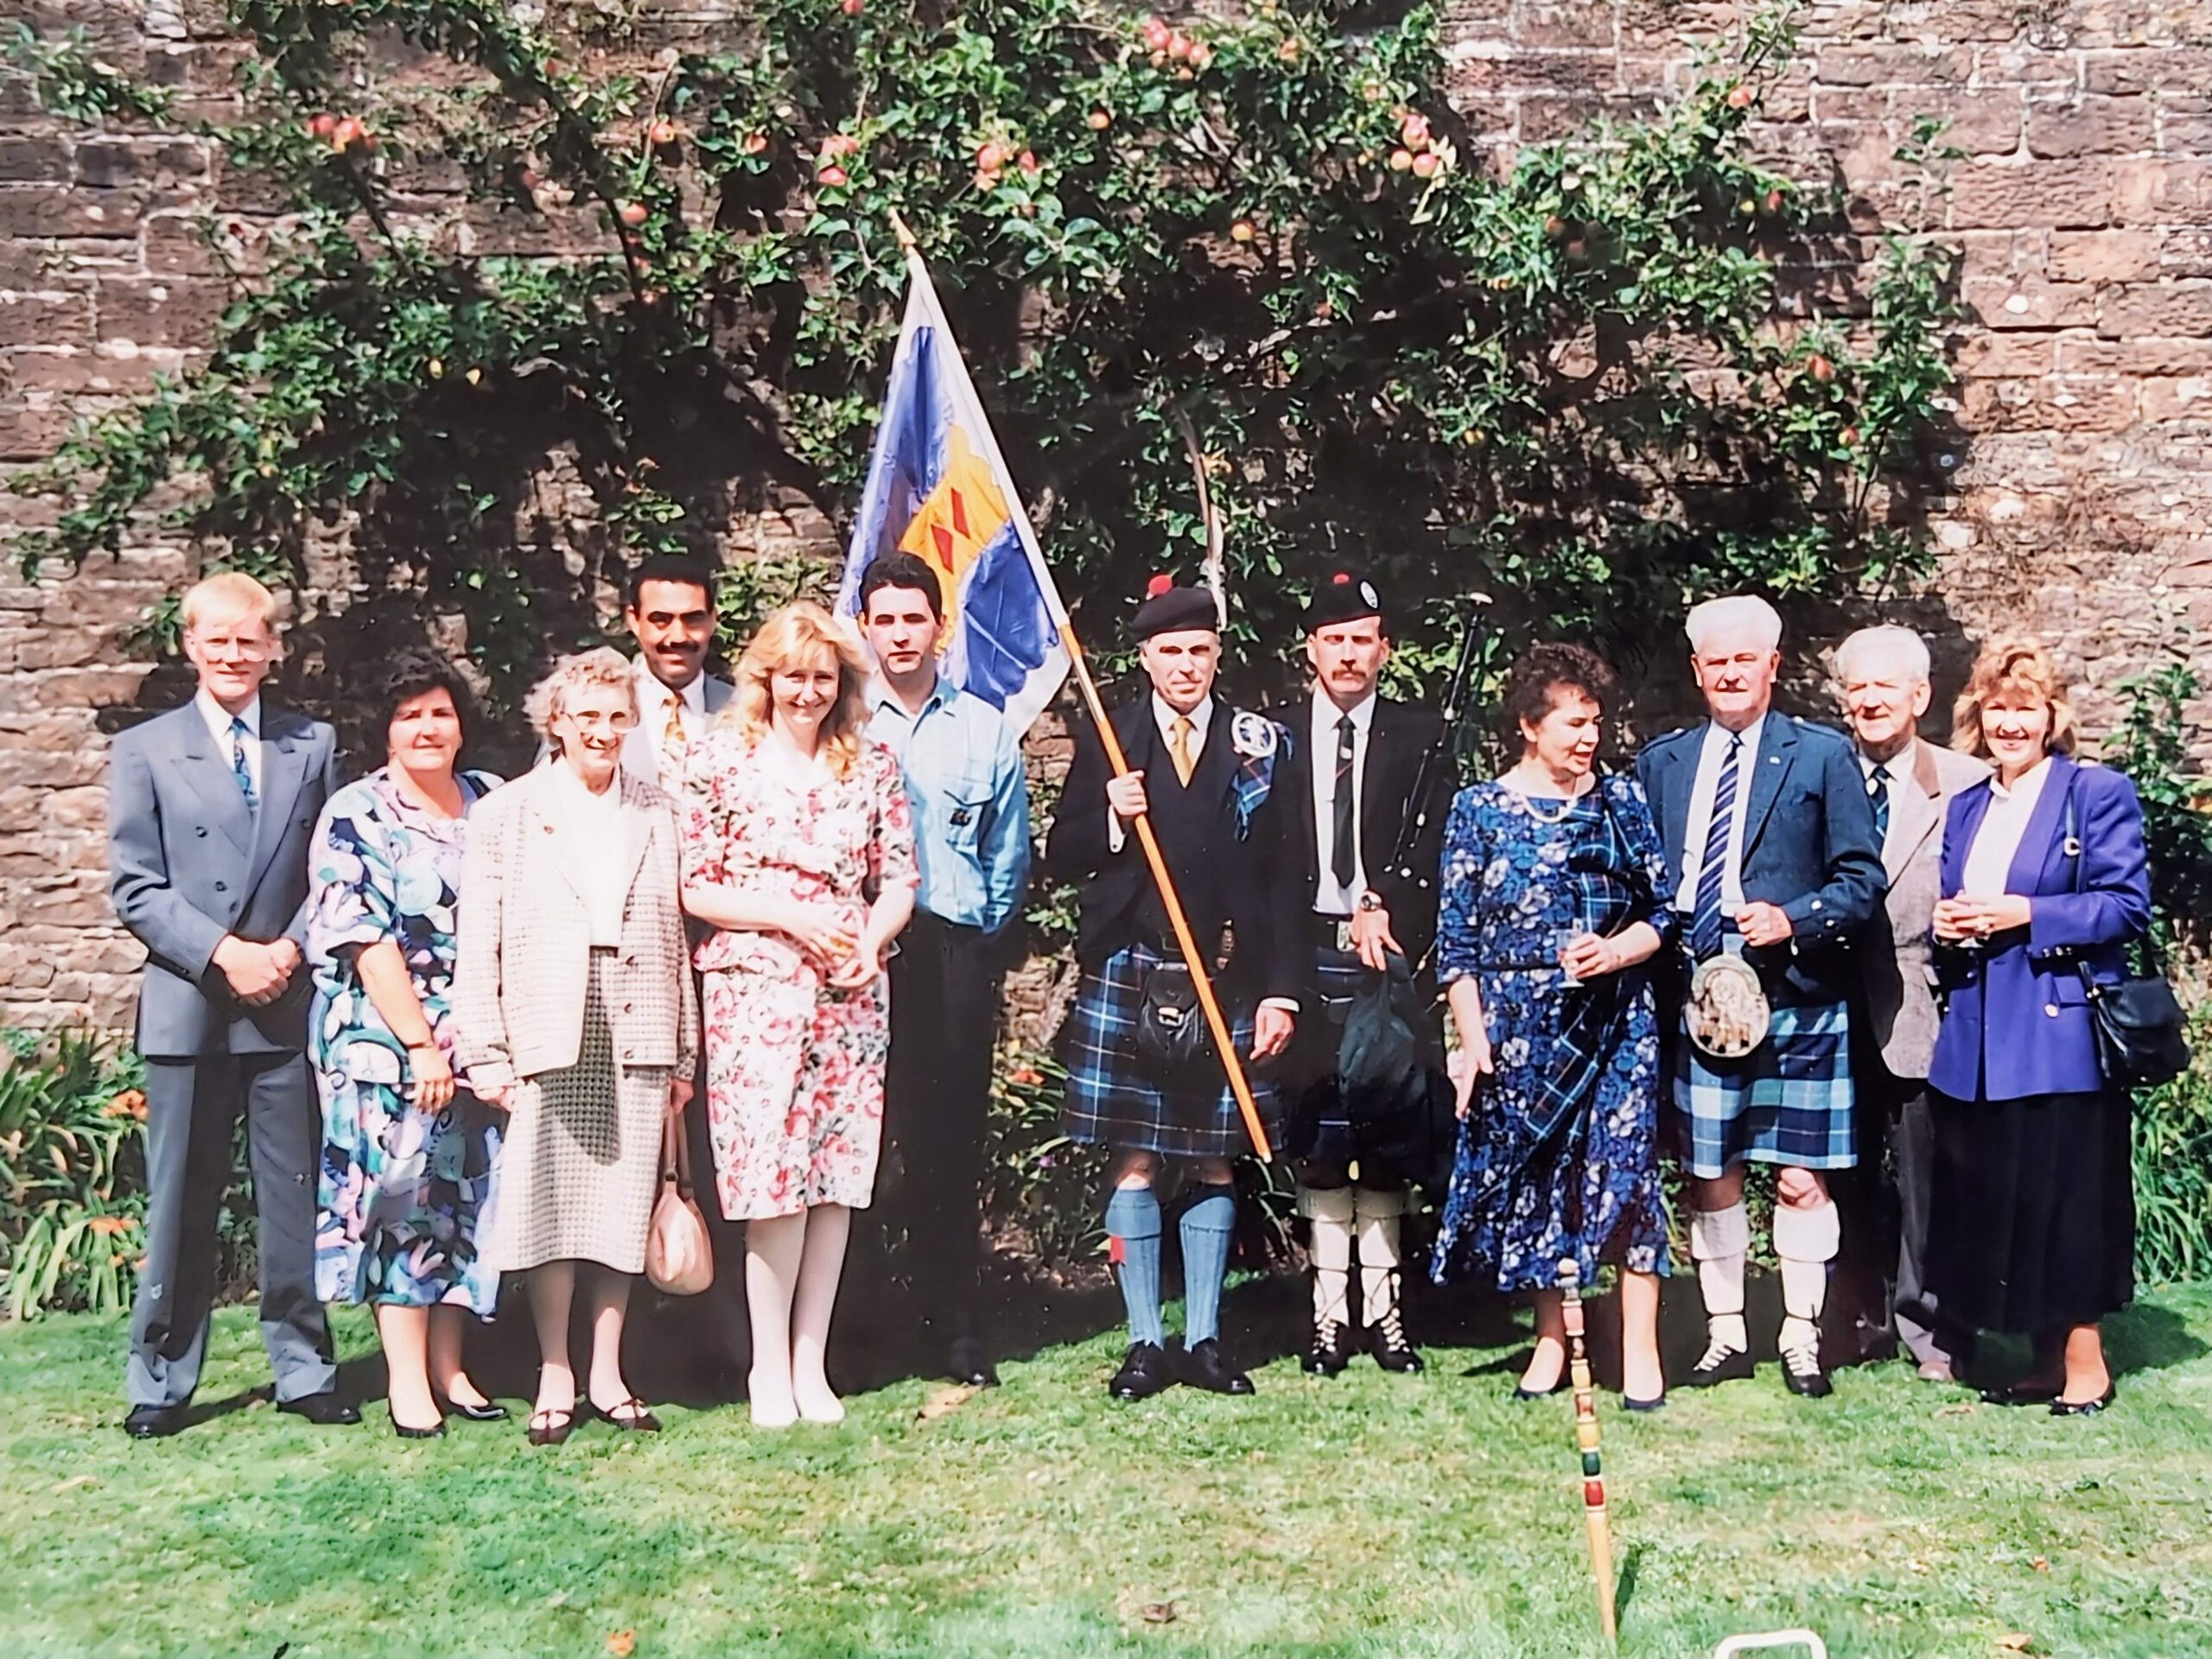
point(672, 739)
point(1178, 748)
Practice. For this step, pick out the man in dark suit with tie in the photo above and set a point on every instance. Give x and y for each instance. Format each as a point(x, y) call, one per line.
point(1352, 764)
point(1771, 834)
point(1204, 775)
point(211, 811)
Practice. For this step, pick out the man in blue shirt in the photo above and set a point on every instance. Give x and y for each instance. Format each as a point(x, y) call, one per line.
point(970, 803)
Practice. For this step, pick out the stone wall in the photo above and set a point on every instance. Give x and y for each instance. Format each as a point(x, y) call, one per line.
point(2084, 207)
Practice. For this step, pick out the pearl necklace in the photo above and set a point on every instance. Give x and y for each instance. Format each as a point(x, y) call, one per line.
point(1565, 806)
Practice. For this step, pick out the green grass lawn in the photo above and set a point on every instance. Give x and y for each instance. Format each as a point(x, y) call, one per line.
point(1371, 1516)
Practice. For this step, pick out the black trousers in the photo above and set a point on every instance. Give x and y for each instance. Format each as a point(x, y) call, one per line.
point(945, 1001)
point(192, 1106)
point(1882, 1264)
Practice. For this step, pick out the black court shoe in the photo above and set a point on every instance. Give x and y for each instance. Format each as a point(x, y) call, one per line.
point(968, 1363)
point(325, 1410)
point(2086, 1407)
point(1145, 1371)
point(1330, 1350)
point(2029, 1393)
point(1206, 1367)
point(490, 1412)
point(436, 1432)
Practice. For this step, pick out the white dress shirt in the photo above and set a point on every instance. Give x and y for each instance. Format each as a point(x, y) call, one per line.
point(595, 837)
point(641, 748)
point(1329, 898)
point(218, 723)
point(1710, 760)
point(1997, 840)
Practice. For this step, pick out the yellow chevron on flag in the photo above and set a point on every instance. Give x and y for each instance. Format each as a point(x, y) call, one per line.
point(964, 514)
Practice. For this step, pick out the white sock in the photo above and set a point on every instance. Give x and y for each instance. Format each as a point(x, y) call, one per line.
point(1805, 1242)
point(1719, 1240)
point(1378, 1253)
point(1328, 1212)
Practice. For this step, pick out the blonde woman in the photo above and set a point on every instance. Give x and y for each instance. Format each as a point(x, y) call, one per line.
point(576, 1012)
point(798, 855)
point(2031, 1225)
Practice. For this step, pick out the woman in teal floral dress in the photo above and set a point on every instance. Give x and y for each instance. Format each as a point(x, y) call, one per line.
point(408, 1151)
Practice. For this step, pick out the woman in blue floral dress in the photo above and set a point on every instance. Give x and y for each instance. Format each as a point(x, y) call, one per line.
point(1554, 900)
point(408, 1151)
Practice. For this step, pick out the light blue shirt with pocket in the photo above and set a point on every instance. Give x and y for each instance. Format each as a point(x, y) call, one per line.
point(970, 798)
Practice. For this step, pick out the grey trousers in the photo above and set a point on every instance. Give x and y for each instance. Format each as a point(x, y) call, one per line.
point(192, 1106)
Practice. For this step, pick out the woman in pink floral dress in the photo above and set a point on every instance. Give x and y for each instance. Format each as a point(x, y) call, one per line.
point(799, 857)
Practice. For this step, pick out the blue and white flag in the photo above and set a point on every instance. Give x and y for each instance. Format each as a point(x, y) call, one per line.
point(939, 487)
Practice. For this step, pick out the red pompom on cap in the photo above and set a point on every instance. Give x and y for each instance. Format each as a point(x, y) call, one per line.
point(1159, 585)
point(1342, 579)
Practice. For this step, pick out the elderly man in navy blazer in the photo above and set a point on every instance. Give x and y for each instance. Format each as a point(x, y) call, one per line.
point(211, 808)
point(1770, 832)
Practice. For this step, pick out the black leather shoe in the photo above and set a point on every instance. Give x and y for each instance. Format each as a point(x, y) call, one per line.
point(1330, 1350)
point(1659, 1404)
point(1810, 1385)
point(436, 1432)
point(2086, 1407)
point(1206, 1367)
point(1386, 1340)
point(969, 1364)
point(2022, 1394)
point(1717, 1364)
point(324, 1410)
point(153, 1422)
point(1145, 1371)
point(490, 1412)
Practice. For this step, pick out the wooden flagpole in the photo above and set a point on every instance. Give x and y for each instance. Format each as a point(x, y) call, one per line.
point(1217, 1023)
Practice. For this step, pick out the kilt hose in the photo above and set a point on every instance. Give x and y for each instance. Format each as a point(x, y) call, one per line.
point(1788, 1101)
point(1116, 1099)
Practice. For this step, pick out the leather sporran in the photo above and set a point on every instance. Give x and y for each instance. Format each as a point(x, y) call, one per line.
point(1172, 1035)
point(1726, 1012)
point(679, 1258)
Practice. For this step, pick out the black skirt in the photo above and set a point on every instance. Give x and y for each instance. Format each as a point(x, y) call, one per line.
point(2032, 1214)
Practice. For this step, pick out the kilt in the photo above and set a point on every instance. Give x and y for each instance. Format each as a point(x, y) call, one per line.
point(1113, 1097)
point(1392, 1141)
point(1787, 1102)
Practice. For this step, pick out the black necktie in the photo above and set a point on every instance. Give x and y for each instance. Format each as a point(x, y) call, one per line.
point(1878, 789)
point(1342, 855)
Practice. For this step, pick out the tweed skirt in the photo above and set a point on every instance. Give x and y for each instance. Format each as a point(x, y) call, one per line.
point(1116, 1099)
point(1787, 1101)
point(580, 1158)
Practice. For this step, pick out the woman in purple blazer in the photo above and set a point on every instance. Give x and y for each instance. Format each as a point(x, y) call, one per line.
point(2032, 1227)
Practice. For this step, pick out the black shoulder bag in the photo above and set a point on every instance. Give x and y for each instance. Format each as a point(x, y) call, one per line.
point(2139, 1023)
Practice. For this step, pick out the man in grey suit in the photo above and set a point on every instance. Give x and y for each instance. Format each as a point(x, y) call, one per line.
point(670, 608)
point(1881, 676)
point(211, 809)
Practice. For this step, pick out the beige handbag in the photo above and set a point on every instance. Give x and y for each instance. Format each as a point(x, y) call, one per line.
point(679, 1260)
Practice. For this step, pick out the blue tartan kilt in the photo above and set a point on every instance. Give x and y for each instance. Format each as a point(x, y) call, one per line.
point(1113, 1097)
point(1787, 1102)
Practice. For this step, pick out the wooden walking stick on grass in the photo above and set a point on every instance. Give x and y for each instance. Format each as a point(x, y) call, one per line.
point(1586, 1440)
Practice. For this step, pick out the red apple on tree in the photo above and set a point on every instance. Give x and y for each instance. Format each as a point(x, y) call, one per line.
point(1099, 120)
point(833, 176)
point(1243, 231)
point(1401, 160)
point(852, 8)
point(664, 132)
point(755, 142)
point(1156, 33)
point(1739, 97)
point(1028, 162)
point(632, 213)
point(321, 126)
point(1820, 368)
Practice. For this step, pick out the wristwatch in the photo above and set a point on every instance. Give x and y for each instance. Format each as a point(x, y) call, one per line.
point(1371, 901)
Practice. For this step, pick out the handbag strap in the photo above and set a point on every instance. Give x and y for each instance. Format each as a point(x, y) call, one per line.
point(675, 1153)
point(2071, 846)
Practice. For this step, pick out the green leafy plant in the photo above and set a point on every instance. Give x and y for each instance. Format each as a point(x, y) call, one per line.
point(1040, 1189)
point(2173, 1169)
point(518, 261)
point(72, 1209)
point(2151, 746)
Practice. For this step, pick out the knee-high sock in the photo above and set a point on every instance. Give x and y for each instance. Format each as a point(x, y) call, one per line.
point(1805, 1241)
point(1328, 1212)
point(1207, 1224)
point(1133, 1220)
point(1719, 1240)
point(1378, 1214)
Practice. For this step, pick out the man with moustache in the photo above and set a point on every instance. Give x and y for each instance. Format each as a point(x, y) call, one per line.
point(211, 811)
point(670, 608)
point(1768, 825)
point(970, 802)
point(1204, 774)
point(1881, 676)
point(1353, 763)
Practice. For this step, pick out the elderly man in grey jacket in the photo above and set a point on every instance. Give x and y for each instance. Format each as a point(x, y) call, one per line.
point(1882, 679)
point(211, 808)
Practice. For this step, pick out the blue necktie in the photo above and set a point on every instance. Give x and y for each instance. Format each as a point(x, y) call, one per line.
point(1879, 787)
point(239, 769)
point(1704, 909)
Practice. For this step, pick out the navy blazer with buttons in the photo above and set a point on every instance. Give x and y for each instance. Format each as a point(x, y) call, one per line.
point(1809, 846)
point(2016, 1015)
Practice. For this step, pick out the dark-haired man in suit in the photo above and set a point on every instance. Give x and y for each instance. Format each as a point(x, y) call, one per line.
point(1204, 774)
point(210, 809)
point(1354, 761)
point(1771, 834)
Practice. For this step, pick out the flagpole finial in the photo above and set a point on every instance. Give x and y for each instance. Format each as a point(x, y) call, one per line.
point(907, 243)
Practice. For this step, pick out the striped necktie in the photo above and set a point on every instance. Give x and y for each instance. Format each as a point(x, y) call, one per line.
point(1343, 853)
point(1877, 786)
point(1705, 910)
point(241, 768)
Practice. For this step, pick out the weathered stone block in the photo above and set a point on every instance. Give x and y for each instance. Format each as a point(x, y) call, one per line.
point(165, 311)
point(2162, 191)
point(2057, 196)
point(45, 319)
point(2097, 126)
point(29, 159)
point(2030, 302)
point(2104, 256)
point(1893, 66)
point(2180, 308)
point(1578, 24)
